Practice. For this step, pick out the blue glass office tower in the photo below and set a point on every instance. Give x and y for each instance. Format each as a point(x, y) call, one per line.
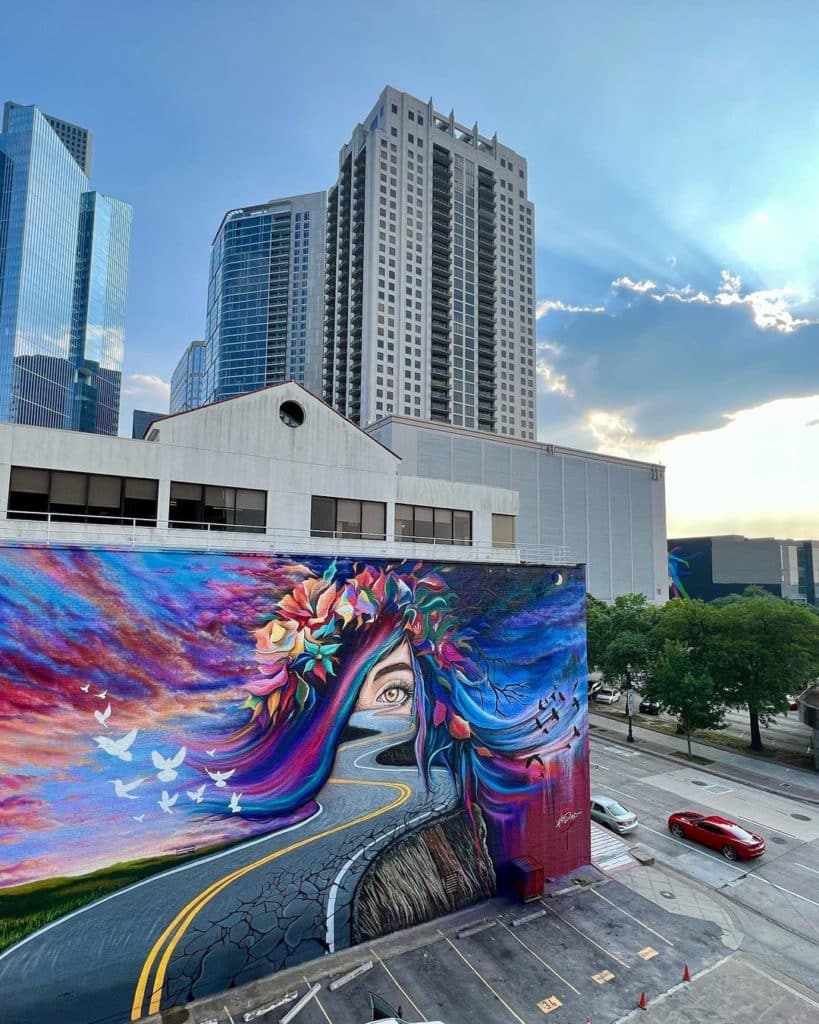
point(63, 278)
point(266, 297)
point(186, 380)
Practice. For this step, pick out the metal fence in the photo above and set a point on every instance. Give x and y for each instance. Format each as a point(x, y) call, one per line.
point(104, 532)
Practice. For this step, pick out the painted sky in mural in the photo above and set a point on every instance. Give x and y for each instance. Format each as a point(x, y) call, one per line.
point(173, 701)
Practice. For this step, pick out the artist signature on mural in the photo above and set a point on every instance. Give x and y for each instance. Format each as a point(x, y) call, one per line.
point(566, 818)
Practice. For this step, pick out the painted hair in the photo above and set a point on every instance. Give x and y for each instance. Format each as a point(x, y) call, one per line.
point(314, 654)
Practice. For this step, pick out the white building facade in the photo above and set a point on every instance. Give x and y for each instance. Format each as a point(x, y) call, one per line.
point(273, 470)
point(602, 510)
point(430, 303)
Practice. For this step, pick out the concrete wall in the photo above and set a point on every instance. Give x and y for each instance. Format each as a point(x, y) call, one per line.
point(247, 738)
point(606, 512)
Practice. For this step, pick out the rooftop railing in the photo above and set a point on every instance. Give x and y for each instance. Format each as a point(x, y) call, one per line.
point(63, 529)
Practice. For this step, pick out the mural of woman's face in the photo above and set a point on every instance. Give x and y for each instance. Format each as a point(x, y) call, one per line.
point(389, 685)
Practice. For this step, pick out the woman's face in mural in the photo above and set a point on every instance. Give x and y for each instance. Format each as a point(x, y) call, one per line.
point(389, 684)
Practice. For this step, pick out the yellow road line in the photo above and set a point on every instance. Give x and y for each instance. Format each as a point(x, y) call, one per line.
point(500, 999)
point(541, 960)
point(185, 916)
point(642, 924)
point(395, 982)
point(588, 938)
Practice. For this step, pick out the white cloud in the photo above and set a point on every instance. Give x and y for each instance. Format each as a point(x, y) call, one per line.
point(553, 382)
point(146, 385)
point(633, 286)
point(769, 306)
point(545, 306)
point(747, 477)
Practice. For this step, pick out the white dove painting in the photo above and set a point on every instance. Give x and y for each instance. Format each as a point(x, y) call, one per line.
point(197, 795)
point(123, 789)
point(118, 748)
point(167, 802)
point(102, 695)
point(221, 778)
point(167, 765)
point(234, 805)
point(103, 716)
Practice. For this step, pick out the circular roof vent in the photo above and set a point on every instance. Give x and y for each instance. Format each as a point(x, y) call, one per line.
point(291, 414)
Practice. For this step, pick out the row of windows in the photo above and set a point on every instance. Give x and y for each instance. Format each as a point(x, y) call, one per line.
point(96, 497)
point(347, 517)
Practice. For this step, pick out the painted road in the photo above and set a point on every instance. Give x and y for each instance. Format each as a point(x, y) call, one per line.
point(273, 902)
point(781, 888)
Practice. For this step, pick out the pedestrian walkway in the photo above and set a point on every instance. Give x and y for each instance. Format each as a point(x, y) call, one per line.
point(608, 852)
point(768, 775)
point(677, 895)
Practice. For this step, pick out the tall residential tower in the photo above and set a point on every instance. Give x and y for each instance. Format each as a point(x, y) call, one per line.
point(63, 278)
point(266, 298)
point(186, 380)
point(429, 303)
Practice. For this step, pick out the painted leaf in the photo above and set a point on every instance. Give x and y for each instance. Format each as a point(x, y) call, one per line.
point(438, 713)
point(459, 728)
point(273, 703)
point(302, 693)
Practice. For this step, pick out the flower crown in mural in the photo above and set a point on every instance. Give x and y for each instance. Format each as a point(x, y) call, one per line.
point(298, 649)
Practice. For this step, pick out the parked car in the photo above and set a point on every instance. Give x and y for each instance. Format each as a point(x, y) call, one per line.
point(650, 707)
point(606, 695)
point(732, 841)
point(793, 702)
point(608, 812)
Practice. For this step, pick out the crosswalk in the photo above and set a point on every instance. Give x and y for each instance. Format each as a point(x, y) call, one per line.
point(608, 851)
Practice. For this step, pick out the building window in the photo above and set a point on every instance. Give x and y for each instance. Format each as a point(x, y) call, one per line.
point(503, 531)
point(432, 525)
point(348, 517)
point(81, 497)
point(206, 506)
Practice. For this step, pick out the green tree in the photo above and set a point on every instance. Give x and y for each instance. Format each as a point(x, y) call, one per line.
point(681, 683)
point(620, 636)
point(763, 649)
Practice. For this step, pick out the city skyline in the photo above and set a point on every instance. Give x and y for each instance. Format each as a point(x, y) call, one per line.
point(651, 177)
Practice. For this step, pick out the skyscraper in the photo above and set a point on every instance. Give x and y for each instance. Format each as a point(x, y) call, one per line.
point(186, 380)
point(266, 297)
point(63, 278)
point(430, 304)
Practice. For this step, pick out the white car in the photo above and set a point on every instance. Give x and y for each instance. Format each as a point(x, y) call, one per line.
point(607, 696)
point(608, 812)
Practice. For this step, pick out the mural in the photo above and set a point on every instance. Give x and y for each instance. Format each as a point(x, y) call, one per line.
point(215, 766)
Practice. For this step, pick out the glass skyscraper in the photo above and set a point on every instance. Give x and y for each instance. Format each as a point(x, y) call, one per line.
point(186, 381)
point(63, 277)
point(266, 298)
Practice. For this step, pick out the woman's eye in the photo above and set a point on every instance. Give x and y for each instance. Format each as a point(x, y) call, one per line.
point(395, 695)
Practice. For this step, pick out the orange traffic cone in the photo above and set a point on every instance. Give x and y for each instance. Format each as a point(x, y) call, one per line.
point(643, 1004)
point(686, 974)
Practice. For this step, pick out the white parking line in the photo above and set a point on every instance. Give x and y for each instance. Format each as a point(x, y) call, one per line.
point(781, 984)
point(805, 866)
point(588, 938)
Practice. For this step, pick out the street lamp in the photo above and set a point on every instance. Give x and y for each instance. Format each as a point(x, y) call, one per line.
point(629, 712)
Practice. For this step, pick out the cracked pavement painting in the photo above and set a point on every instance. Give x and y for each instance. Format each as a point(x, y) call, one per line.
point(215, 766)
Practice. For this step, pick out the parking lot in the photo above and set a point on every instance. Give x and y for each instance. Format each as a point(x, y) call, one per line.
point(589, 952)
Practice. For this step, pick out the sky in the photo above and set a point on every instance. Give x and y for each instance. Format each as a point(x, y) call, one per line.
point(671, 153)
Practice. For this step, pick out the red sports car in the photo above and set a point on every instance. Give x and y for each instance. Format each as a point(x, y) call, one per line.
point(722, 834)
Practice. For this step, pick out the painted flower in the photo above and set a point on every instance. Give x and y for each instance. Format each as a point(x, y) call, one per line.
point(275, 676)
point(310, 603)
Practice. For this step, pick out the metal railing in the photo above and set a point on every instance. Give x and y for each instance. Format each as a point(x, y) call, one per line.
point(60, 529)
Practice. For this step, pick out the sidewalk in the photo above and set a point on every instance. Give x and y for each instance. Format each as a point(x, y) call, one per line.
point(775, 778)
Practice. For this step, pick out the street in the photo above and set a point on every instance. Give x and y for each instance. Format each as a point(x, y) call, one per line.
point(778, 893)
point(785, 732)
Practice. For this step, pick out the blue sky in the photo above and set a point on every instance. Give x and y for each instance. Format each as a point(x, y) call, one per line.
point(670, 150)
